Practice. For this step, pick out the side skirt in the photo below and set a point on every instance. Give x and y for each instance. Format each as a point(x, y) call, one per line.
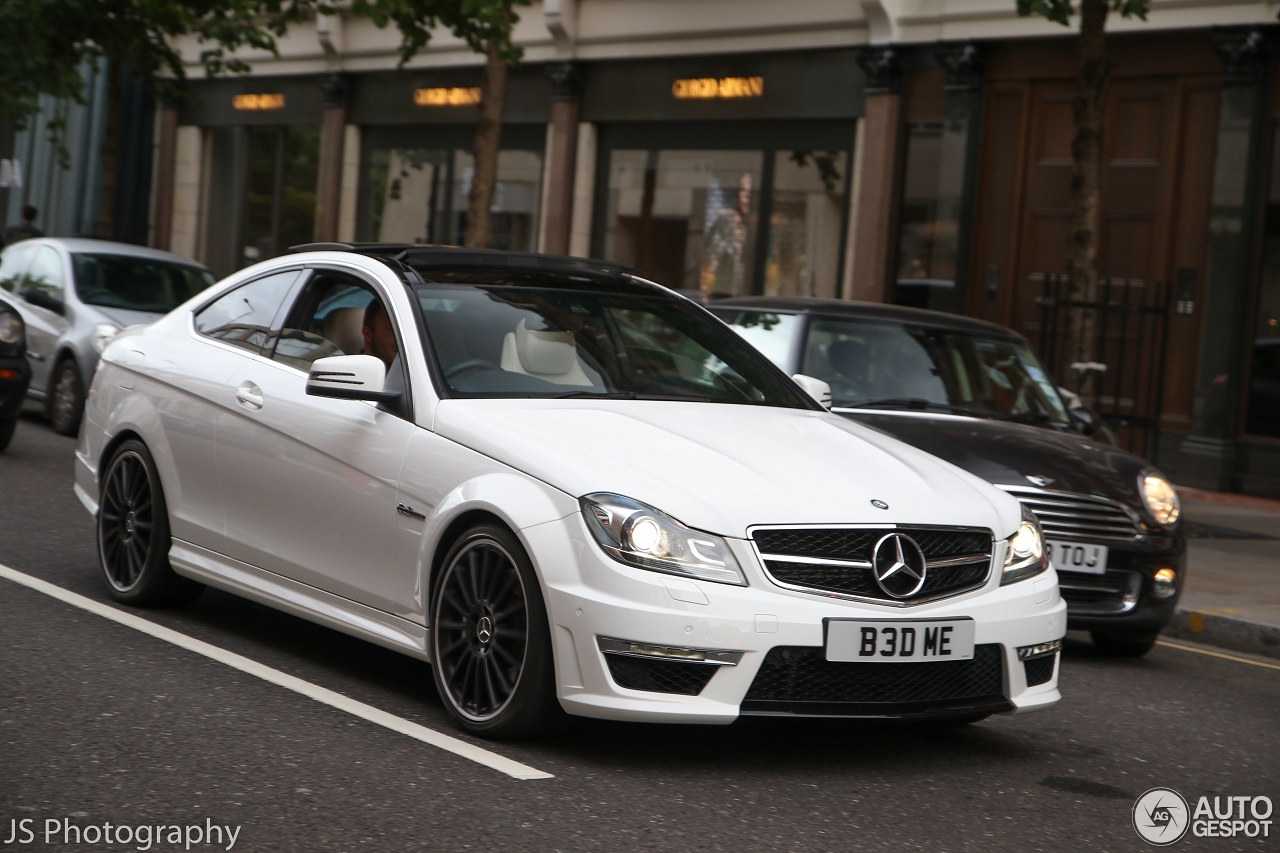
point(307, 602)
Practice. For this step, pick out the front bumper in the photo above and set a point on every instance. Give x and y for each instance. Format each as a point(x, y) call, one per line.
point(15, 376)
point(1123, 601)
point(590, 596)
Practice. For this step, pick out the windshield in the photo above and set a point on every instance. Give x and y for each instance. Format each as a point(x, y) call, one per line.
point(893, 366)
point(138, 284)
point(540, 341)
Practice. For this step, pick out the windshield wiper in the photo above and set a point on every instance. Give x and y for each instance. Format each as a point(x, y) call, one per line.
point(600, 395)
point(914, 403)
point(627, 395)
point(1025, 417)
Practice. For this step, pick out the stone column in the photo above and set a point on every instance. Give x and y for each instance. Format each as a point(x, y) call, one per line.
point(566, 81)
point(166, 160)
point(878, 168)
point(1207, 456)
point(329, 174)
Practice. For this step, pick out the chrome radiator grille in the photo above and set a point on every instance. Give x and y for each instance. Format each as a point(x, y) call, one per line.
point(838, 560)
point(1065, 515)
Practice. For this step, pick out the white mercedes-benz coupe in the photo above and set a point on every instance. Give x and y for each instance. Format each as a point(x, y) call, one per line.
point(569, 489)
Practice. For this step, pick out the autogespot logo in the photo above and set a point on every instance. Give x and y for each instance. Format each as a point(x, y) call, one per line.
point(1160, 816)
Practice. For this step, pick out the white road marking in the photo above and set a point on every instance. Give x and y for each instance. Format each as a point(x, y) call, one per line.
point(460, 748)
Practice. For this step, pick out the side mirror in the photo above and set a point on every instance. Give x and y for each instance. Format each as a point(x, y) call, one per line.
point(350, 377)
point(1084, 420)
point(47, 301)
point(815, 388)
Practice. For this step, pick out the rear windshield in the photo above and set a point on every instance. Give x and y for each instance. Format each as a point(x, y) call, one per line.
point(138, 284)
point(514, 341)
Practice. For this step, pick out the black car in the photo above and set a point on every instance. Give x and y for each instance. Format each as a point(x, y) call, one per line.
point(15, 373)
point(976, 395)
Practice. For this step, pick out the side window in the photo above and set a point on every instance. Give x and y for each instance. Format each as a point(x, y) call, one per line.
point(243, 317)
point(45, 273)
point(12, 263)
point(338, 315)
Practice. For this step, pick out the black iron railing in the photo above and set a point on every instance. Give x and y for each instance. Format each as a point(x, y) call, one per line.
point(1131, 322)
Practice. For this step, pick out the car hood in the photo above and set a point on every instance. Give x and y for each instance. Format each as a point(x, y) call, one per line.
point(724, 468)
point(1012, 454)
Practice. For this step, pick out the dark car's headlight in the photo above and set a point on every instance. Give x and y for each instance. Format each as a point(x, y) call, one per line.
point(639, 535)
point(1025, 557)
point(12, 331)
point(1160, 499)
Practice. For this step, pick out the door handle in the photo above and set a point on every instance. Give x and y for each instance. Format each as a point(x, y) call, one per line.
point(249, 396)
point(34, 356)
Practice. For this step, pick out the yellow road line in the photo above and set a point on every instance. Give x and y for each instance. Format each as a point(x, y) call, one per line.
point(1216, 654)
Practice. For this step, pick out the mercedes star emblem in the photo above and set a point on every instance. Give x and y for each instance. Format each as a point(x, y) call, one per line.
point(899, 565)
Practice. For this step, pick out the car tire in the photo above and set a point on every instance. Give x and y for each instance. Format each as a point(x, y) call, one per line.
point(490, 639)
point(66, 398)
point(1122, 646)
point(7, 427)
point(133, 533)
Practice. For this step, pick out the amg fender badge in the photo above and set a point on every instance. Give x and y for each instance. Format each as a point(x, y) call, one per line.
point(404, 509)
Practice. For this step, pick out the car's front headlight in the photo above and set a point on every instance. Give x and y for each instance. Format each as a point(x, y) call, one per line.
point(1025, 557)
point(11, 330)
point(639, 535)
point(1160, 498)
point(102, 335)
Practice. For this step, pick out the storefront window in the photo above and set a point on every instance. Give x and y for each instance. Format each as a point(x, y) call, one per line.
point(280, 197)
point(933, 183)
point(805, 215)
point(686, 219)
point(420, 195)
point(1264, 379)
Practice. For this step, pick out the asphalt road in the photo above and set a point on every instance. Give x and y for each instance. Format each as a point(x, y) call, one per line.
point(100, 723)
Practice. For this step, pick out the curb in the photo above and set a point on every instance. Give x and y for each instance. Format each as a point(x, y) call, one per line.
point(1225, 632)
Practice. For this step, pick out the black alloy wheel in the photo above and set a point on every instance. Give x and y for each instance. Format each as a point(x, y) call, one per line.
point(66, 398)
point(133, 533)
point(491, 646)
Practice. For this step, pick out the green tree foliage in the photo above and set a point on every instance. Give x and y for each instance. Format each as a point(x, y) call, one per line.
point(45, 43)
point(1060, 11)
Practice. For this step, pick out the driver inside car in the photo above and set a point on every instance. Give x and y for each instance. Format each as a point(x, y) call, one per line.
point(380, 341)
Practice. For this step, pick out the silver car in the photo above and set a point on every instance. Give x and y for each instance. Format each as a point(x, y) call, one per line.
point(74, 296)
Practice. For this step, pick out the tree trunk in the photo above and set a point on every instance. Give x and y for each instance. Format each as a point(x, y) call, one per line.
point(493, 92)
point(1086, 173)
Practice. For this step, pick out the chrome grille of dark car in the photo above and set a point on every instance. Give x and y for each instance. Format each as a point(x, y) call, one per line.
point(837, 560)
point(1115, 591)
point(1065, 515)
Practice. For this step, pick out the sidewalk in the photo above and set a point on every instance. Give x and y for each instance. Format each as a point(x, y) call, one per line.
point(1232, 597)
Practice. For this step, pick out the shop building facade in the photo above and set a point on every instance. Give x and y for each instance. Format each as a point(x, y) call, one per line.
point(914, 152)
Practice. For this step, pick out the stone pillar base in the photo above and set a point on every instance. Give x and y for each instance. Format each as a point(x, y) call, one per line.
point(1206, 463)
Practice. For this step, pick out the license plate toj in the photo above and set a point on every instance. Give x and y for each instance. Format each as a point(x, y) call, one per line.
point(1077, 557)
point(899, 641)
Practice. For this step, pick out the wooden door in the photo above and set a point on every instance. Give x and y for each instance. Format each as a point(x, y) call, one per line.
point(1156, 178)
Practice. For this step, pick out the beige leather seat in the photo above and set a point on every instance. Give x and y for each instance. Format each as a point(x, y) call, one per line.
point(547, 355)
point(344, 327)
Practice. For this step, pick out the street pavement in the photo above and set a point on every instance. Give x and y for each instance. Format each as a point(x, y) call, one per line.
point(1232, 597)
point(99, 723)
